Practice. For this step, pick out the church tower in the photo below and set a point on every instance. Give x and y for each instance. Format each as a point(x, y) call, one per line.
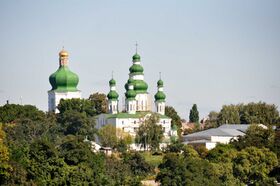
point(160, 98)
point(113, 97)
point(130, 102)
point(136, 74)
point(64, 83)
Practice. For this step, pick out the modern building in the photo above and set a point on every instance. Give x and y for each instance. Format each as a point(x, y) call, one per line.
point(64, 83)
point(211, 137)
point(137, 106)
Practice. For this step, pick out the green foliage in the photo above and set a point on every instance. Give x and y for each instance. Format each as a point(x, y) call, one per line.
point(194, 114)
point(252, 113)
point(175, 147)
point(108, 136)
point(212, 121)
point(256, 136)
point(172, 113)
point(222, 153)
point(137, 163)
point(99, 101)
point(178, 170)
point(12, 113)
point(78, 105)
point(5, 167)
point(253, 164)
point(229, 114)
point(259, 113)
point(76, 123)
point(149, 134)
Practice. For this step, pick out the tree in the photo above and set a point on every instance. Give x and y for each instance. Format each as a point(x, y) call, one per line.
point(252, 165)
point(108, 136)
point(78, 105)
point(255, 113)
point(13, 113)
point(256, 136)
point(76, 123)
point(5, 167)
point(229, 114)
point(212, 121)
point(178, 170)
point(100, 103)
point(172, 113)
point(149, 133)
point(194, 114)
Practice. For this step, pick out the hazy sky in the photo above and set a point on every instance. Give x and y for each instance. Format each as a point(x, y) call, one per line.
point(209, 52)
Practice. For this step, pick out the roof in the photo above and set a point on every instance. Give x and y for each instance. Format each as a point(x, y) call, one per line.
point(137, 115)
point(224, 130)
point(240, 127)
point(198, 141)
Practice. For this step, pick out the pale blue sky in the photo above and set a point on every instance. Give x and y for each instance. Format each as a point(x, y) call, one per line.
point(209, 52)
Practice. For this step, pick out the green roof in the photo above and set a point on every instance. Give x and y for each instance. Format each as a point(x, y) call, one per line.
point(64, 80)
point(160, 96)
point(137, 115)
point(136, 57)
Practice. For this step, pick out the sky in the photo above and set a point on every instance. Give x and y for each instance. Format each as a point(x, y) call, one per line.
point(210, 53)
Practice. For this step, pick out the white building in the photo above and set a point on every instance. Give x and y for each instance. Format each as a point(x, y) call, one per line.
point(137, 104)
point(211, 137)
point(64, 83)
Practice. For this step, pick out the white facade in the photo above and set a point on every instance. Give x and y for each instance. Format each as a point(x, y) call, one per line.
point(55, 97)
point(143, 102)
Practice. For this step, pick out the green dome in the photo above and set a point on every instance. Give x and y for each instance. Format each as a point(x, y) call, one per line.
point(160, 96)
point(160, 83)
point(113, 95)
point(130, 94)
point(136, 57)
point(112, 82)
point(136, 69)
point(64, 80)
point(140, 86)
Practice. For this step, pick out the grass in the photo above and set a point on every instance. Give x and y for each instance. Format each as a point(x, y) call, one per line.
point(153, 160)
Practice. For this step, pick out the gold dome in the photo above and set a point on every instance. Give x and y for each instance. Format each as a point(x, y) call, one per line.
point(63, 53)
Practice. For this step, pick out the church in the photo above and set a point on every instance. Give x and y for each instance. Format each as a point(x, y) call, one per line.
point(138, 102)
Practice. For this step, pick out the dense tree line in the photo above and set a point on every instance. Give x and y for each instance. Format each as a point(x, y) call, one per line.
point(38, 148)
point(253, 159)
point(251, 113)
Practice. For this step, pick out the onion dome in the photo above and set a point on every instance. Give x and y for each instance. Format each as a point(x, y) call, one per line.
point(112, 82)
point(160, 83)
point(140, 86)
point(136, 69)
point(160, 96)
point(63, 53)
point(136, 58)
point(112, 95)
point(64, 80)
point(130, 93)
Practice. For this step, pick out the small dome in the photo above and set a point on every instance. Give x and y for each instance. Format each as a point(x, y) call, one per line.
point(136, 69)
point(112, 82)
point(63, 53)
point(129, 81)
point(130, 94)
point(113, 95)
point(64, 80)
point(160, 96)
point(136, 57)
point(160, 83)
